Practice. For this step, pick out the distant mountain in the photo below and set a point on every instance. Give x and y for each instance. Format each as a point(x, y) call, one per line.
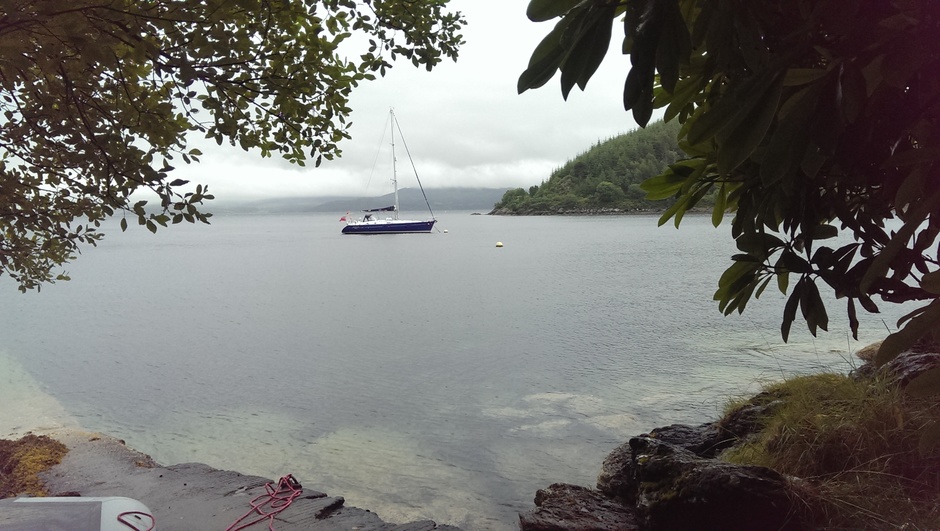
point(410, 200)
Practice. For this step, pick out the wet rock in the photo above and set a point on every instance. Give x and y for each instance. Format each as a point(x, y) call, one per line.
point(869, 352)
point(902, 369)
point(678, 490)
point(909, 365)
point(744, 421)
point(617, 479)
point(704, 440)
point(563, 507)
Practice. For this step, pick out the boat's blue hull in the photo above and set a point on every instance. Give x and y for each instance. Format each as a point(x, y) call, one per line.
point(389, 227)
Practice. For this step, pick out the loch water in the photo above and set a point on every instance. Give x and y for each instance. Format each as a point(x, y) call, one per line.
point(428, 376)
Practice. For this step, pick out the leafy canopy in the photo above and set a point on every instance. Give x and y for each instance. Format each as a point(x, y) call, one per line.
point(97, 99)
point(807, 118)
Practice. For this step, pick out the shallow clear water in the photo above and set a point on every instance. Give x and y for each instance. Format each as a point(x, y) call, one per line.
point(420, 376)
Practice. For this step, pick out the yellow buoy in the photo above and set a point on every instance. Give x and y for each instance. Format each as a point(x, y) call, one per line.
point(499, 244)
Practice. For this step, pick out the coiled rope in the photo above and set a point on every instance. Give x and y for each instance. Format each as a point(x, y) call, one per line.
point(266, 506)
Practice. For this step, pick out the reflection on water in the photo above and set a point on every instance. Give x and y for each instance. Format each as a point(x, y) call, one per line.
point(419, 376)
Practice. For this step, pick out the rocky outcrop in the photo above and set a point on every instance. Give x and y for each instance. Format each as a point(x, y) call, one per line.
point(902, 369)
point(908, 366)
point(670, 478)
point(564, 507)
point(679, 490)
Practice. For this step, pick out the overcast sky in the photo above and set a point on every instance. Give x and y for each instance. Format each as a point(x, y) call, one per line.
point(464, 123)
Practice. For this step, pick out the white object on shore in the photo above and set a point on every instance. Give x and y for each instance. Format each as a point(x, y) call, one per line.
point(111, 513)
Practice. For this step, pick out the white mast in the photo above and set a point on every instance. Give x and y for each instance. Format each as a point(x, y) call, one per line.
point(394, 160)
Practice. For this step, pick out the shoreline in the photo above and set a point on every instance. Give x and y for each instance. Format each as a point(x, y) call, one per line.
point(638, 481)
point(192, 496)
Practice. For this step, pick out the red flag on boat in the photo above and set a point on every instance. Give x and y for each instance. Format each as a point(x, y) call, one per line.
point(344, 217)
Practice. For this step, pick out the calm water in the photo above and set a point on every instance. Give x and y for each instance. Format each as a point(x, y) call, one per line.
point(420, 376)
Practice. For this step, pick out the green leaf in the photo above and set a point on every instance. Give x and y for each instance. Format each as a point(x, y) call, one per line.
point(545, 60)
point(643, 106)
point(542, 10)
point(824, 232)
point(735, 272)
point(795, 263)
point(789, 310)
point(814, 311)
point(643, 23)
point(668, 184)
point(685, 90)
point(788, 141)
point(911, 189)
point(803, 76)
point(905, 338)
point(853, 318)
point(736, 144)
point(762, 287)
point(758, 243)
point(698, 191)
point(734, 107)
point(931, 282)
point(589, 48)
point(783, 280)
point(882, 262)
point(718, 211)
point(674, 45)
point(853, 92)
point(868, 304)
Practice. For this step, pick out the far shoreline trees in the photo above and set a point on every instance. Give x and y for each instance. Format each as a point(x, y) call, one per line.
point(604, 179)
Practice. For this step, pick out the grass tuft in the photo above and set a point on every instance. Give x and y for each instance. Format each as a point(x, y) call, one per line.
point(855, 447)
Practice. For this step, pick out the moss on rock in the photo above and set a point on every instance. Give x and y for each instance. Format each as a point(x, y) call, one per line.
point(22, 460)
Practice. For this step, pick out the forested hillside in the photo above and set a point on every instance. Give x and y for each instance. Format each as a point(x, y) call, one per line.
point(604, 179)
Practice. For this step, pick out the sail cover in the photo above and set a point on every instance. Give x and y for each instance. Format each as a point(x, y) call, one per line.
point(383, 209)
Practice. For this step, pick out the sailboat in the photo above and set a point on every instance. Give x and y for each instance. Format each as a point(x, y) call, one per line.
point(372, 223)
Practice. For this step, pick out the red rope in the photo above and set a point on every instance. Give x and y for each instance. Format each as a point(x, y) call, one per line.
point(137, 514)
point(279, 498)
